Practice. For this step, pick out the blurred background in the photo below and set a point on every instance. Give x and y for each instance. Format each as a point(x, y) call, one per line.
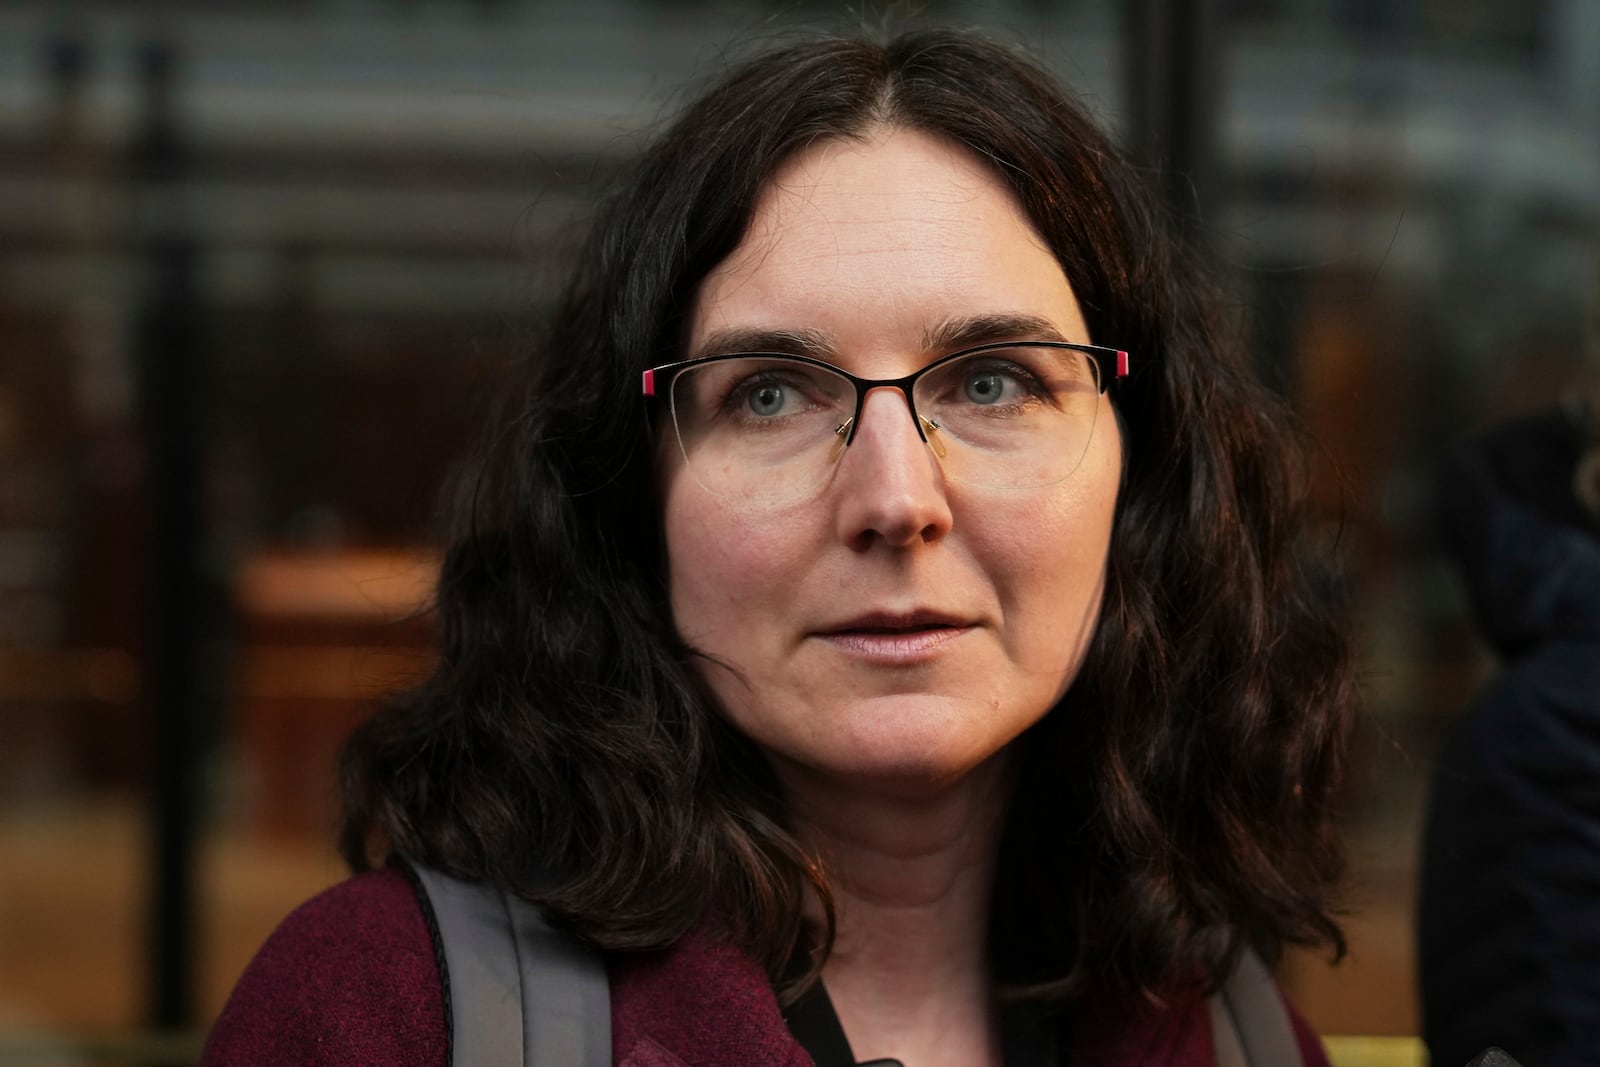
point(262, 265)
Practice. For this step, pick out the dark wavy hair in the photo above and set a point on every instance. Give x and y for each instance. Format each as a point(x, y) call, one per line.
point(1176, 805)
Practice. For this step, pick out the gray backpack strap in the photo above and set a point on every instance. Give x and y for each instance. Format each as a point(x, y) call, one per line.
point(520, 992)
point(1249, 1024)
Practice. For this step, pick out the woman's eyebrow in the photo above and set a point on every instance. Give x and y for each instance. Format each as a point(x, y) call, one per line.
point(954, 333)
point(970, 330)
point(812, 343)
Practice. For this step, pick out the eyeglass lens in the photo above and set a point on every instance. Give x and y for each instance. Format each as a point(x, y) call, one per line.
point(770, 429)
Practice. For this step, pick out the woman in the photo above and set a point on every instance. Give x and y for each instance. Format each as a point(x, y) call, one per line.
point(890, 646)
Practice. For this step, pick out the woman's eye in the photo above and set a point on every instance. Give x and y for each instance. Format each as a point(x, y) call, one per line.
point(766, 399)
point(986, 388)
point(769, 396)
point(996, 385)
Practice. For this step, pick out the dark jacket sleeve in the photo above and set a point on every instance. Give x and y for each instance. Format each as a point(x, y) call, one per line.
point(1507, 928)
point(1508, 933)
point(349, 978)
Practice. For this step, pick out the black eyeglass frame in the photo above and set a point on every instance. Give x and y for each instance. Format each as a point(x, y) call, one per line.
point(1112, 360)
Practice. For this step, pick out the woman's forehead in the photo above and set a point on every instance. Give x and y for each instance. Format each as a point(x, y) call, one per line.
point(892, 176)
point(886, 238)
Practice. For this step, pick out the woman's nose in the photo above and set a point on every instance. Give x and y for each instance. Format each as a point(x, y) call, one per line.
point(890, 486)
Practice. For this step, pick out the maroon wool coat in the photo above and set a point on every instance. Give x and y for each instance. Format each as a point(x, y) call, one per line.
point(350, 979)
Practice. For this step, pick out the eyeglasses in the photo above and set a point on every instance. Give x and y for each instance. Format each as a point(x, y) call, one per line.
point(770, 428)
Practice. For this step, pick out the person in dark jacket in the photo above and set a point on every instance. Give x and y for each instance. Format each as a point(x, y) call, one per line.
point(885, 594)
point(1509, 914)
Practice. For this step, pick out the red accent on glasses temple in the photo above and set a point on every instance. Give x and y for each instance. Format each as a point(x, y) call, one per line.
point(1122, 364)
point(649, 383)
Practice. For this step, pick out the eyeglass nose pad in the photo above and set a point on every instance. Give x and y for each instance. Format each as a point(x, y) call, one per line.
point(930, 434)
point(841, 437)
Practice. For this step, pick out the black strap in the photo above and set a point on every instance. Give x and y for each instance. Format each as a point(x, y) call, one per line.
point(1031, 1036)
point(815, 1024)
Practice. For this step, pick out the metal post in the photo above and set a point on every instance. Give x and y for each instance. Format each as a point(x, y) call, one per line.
point(1172, 64)
point(168, 356)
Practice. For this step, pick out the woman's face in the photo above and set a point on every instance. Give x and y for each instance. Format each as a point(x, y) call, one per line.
point(895, 628)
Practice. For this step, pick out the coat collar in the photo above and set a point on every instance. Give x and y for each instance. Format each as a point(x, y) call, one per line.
point(701, 1001)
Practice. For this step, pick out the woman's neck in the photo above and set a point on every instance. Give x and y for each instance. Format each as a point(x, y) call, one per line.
point(912, 874)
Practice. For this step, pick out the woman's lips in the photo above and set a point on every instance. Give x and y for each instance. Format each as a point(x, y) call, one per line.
point(895, 646)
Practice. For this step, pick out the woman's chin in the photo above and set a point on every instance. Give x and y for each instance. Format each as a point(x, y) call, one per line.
point(894, 767)
point(896, 743)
